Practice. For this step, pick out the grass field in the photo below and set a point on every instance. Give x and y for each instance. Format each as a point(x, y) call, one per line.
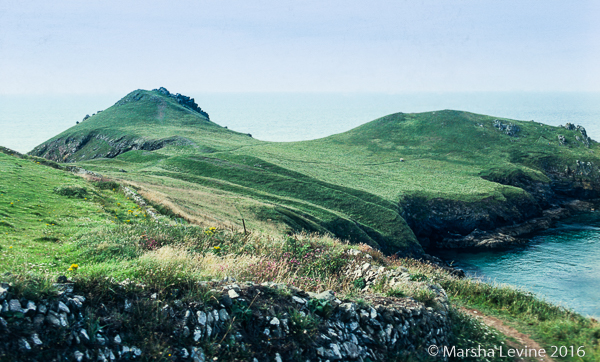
point(303, 205)
point(352, 185)
point(42, 208)
point(52, 219)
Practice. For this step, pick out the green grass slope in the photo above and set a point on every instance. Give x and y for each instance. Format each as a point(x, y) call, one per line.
point(445, 154)
point(41, 208)
point(362, 185)
point(51, 219)
point(141, 120)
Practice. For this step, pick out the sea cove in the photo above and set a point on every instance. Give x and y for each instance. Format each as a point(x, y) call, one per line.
point(561, 264)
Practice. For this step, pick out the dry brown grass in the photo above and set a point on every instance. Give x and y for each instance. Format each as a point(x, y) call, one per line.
point(203, 266)
point(204, 206)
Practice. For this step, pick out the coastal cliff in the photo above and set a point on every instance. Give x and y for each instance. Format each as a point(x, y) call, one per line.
point(112, 275)
point(488, 224)
point(402, 183)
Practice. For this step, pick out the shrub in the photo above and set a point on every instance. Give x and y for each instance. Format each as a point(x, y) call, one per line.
point(320, 307)
point(106, 185)
point(71, 191)
point(359, 283)
point(396, 292)
point(425, 296)
point(302, 326)
point(419, 277)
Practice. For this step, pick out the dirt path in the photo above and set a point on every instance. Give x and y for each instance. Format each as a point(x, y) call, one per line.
point(522, 340)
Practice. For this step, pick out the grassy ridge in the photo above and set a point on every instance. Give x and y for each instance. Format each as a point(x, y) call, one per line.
point(148, 116)
point(41, 208)
point(353, 185)
point(444, 153)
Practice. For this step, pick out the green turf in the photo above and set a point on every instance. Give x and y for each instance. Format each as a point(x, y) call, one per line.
point(41, 208)
point(353, 185)
point(51, 219)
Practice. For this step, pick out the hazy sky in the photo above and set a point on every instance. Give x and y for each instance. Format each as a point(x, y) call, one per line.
point(53, 47)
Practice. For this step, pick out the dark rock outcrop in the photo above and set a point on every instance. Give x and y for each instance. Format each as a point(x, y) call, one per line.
point(65, 149)
point(506, 236)
point(183, 100)
point(441, 223)
point(435, 221)
point(585, 139)
point(569, 126)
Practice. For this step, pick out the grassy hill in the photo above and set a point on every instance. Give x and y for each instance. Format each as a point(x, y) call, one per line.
point(137, 278)
point(427, 174)
point(141, 120)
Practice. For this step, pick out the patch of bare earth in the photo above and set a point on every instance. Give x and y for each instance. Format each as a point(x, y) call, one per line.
point(517, 340)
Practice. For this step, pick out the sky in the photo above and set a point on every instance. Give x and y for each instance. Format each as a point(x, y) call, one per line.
point(113, 47)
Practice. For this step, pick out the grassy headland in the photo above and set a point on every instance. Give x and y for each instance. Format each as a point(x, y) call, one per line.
point(390, 183)
point(307, 214)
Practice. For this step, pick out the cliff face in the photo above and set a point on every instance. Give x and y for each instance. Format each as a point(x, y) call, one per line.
point(97, 145)
point(435, 221)
point(441, 223)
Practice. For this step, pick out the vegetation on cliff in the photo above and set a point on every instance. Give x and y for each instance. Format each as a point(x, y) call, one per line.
point(396, 183)
point(92, 231)
point(170, 206)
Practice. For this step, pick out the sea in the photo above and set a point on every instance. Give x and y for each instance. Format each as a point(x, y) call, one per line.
point(561, 265)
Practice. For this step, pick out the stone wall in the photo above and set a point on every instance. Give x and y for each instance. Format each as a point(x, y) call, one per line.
point(266, 322)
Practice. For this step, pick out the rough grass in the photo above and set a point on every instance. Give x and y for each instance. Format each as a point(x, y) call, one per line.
point(352, 185)
point(548, 324)
point(172, 258)
point(41, 208)
point(468, 333)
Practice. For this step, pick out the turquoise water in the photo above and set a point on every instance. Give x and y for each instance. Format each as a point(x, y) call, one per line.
point(561, 264)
